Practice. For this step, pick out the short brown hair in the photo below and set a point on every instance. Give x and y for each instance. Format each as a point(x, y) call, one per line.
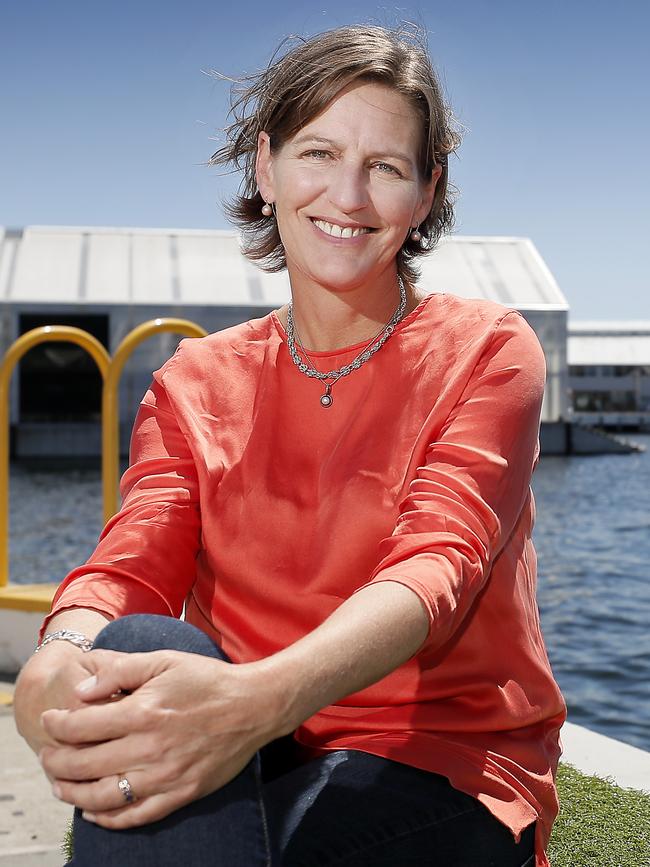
point(299, 83)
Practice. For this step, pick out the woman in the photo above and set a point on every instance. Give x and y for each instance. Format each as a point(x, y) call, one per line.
point(338, 493)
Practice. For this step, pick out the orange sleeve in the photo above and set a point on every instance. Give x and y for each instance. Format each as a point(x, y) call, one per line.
point(145, 559)
point(465, 501)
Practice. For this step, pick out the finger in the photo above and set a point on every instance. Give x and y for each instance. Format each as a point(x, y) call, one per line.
point(94, 723)
point(142, 812)
point(83, 763)
point(166, 797)
point(114, 672)
point(105, 795)
point(102, 795)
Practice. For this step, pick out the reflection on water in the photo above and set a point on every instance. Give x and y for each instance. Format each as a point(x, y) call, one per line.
point(593, 542)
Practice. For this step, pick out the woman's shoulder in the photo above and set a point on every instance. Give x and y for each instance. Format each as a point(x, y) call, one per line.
point(474, 311)
point(246, 338)
point(460, 321)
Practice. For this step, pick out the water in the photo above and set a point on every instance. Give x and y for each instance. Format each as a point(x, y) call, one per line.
point(54, 521)
point(593, 542)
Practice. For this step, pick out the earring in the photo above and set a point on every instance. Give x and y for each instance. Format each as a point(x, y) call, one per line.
point(416, 235)
point(267, 209)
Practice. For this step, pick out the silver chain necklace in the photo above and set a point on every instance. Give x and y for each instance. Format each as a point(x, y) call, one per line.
point(365, 355)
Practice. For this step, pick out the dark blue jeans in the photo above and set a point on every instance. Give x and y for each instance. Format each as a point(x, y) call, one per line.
point(349, 808)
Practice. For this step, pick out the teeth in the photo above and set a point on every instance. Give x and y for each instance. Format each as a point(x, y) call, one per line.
point(339, 231)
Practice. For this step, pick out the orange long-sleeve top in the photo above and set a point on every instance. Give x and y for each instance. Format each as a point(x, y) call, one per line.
point(261, 512)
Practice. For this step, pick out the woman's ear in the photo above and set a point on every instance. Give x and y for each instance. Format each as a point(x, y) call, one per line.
point(428, 192)
point(264, 167)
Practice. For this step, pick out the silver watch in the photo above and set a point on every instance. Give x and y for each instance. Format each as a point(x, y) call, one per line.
point(76, 638)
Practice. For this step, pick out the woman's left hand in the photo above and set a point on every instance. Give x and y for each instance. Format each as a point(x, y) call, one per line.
point(187, 725)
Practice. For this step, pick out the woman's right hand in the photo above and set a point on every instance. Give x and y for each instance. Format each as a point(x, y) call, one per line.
point(47, 680)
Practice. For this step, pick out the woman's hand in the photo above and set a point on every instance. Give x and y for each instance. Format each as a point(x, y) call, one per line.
point(49, 677)
point(187, 725)
point(48, 680)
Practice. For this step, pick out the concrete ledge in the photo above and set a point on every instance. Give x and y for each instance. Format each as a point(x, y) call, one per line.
point(598, 755)
point(27, 597)
point(22, 609)
point(18, 636)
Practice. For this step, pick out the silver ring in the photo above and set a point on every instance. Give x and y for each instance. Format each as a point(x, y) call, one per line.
point(125, 787)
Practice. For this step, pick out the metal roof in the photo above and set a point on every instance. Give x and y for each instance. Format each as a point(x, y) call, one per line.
point(507, 270)
point(93, 265)
point(613, 327)
point(610, 343)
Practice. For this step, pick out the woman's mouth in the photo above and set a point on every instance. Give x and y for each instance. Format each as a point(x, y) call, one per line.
point(337, 231)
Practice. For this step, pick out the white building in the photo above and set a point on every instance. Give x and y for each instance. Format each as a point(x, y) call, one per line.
point(609, 373)
point(108, 280)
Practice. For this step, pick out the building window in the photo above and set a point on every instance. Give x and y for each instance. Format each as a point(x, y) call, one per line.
point(605, 401)
point(584, 370)
point(59, 381)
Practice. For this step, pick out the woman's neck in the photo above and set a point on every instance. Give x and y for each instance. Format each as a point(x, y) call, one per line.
point(327, 320)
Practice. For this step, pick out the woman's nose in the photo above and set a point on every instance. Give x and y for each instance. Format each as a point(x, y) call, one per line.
point(348, 187)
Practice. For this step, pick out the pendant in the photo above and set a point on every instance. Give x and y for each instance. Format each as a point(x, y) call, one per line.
point(327, 399)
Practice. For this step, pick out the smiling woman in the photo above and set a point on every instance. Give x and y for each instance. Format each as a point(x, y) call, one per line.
point(299, 86)
point(337, 495)
point(344, 213)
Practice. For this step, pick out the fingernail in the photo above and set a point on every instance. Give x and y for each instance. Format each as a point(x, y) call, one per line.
point(89, 817)
point(88, 684)
point(56, 791)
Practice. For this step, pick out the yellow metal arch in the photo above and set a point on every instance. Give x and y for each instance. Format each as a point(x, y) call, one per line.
point(13, 355)
point(110, 408)
point(35, 597)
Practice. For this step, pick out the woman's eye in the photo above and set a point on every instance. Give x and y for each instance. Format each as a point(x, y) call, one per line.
point(386, 168)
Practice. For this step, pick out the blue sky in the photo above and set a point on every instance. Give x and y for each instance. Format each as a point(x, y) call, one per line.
point(107, 116)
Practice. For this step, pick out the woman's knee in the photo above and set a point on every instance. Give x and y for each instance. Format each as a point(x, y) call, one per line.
point(140, 633)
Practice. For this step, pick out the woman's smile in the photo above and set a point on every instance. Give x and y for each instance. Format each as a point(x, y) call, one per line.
point(339, 232)
point(348, 180)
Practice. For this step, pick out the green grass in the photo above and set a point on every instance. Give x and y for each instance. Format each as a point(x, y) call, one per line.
point(600, 824)
point(66, 845)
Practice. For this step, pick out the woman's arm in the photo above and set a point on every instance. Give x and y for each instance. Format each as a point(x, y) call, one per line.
point(366, 638)
point(144, 561)
point(195, 722)
point(460, 510)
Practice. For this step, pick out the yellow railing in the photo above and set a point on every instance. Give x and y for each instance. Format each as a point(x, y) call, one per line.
point(37, 596)
point(110, 408)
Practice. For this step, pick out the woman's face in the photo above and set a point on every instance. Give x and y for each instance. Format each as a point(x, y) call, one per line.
point(347, 188)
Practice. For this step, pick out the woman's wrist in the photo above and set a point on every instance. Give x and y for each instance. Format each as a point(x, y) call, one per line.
point(77, 639)
point(87, 621)
point(269, 683)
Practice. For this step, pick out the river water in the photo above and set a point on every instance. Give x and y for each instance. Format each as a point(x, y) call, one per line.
point(593, 542)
